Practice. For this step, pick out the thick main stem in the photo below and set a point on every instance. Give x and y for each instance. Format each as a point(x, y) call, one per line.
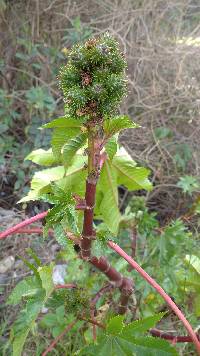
point(90, 195)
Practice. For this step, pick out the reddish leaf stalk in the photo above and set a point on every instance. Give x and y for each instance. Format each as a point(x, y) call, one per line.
point(22, 224)
point(101, 292)
point(55, 341)
point(160, 290)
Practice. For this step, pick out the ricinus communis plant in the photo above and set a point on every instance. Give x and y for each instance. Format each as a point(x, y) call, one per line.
point(82, 186)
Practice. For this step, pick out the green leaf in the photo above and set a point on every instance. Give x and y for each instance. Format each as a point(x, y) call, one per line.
point(194, 262)
point(163, 132)
point(188, 184)
point(108, 207)
point(45, 273)
point(111, 147)
point(42, 157)
point(24, 324)
point(117, 345)
point(28, 287)
point(60, 235)
point(115, 325)
point(141, 326)
point(60, 137)
point(129, 175)
point(41, 180)
point(32, 254)
point(116, 124)
point(121, 339)
point(71, 147)
point(49, 320)
point(63, 122)
point(30, 265)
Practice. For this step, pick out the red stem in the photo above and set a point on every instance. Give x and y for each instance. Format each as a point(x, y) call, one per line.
point(55, 341)
point(88, 233)
point(160, 290)
point(166, 336)
point(68, 286)
point(22, 224)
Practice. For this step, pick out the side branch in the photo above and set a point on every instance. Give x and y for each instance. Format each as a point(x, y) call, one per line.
point(160, 290)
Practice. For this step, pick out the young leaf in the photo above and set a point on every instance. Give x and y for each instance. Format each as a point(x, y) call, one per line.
point(60, 137)
point(116, 124)
point(111, 147)
point(60, 235)
point(71, 147)
point(63, 122)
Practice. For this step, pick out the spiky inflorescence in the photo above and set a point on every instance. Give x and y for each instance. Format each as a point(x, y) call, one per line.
point(93, 81)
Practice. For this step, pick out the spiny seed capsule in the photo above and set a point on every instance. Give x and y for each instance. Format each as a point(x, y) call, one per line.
point(98, 60)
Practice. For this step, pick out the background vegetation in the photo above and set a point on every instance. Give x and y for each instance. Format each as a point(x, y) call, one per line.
point(161, 42)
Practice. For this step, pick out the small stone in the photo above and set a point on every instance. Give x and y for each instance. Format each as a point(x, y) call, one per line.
point(6, 264)
point(59, 274)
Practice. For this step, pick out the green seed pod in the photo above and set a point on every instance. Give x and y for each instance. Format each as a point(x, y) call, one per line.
point(93, 81)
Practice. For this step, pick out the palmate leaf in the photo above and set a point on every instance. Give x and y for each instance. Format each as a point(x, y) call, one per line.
point(129, 175)
point(122, 170)
point(71, 147)
point(42, 157)
point(116, 124)
point(28, 287)
point(121, 339)
point(108, 205)
point(71, 179)
point(141, 326)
